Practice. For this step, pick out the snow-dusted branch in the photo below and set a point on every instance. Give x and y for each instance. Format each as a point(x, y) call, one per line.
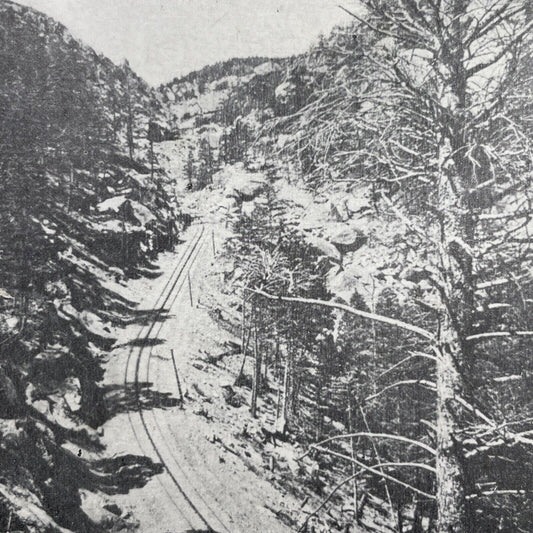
point(422, 382)
point(414, 355)
point(499, 334)
point(503, 492)
point(386, 436)
point(349, 309)
point(373, 469)
point(517, 38)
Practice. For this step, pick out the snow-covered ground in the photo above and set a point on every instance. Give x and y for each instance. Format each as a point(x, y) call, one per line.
point(199, 444)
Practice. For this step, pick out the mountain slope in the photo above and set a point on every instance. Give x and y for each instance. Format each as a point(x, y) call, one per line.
point(327, 191)
point(83, 203)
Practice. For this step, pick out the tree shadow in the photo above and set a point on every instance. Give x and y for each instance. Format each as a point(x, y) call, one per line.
point(143, 342)
point(200, 531)
point(140, 317)
point(118, 475)
point(119, 399)
point(145, 272)
point(110, 475)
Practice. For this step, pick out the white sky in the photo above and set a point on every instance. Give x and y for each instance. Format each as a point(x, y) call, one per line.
point(166, 38)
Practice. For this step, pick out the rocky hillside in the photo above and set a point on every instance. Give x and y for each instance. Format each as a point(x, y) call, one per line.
point(83, 203)
point(322, 170)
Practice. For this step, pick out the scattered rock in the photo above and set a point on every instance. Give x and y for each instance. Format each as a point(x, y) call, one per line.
point(232, 397)
point(347, 238)
point(113, 508)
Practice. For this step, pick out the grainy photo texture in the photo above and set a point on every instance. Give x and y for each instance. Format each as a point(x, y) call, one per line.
point(266, 267)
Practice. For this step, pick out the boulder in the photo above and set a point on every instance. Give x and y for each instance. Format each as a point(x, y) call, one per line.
point(324, 247)
point(245, 186)
point(266, 68)
point(357, 205)
point(284, 92)
point(248, 208)
point(4, 295)
point(347, 238)
point(142, 213)
point(112, 204)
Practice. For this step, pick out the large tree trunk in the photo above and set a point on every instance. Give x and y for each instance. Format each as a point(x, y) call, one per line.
point(451, 496)
point(453, 361)
point(456, 267)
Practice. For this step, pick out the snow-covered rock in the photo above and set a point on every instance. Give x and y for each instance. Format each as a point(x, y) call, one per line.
point(323, 246)
point(357, 204)
point(284, 91)
point(142, 213)
point(4, 295)
point(112, 204)
point(248, 208)
point(88, 320)
point(346, 238)
point(266, 68)
point(245, 185)
point(343, 284)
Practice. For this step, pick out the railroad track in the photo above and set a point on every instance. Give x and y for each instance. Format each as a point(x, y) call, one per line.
point(194, 509)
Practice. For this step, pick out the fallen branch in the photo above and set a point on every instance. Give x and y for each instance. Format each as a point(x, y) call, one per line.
point(352, 310)
point(378, 473)
point(399, 438)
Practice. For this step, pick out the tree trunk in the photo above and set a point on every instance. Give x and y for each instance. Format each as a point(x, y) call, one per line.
point(288, 382)
point(417, 519)
point(456, 267)
point(151, 160)
point(257, 375)
point(451, 486)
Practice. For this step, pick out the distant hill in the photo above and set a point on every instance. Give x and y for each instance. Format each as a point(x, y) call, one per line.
point(201, 78)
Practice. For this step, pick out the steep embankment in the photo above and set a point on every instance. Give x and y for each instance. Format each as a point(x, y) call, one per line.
point(82, 201)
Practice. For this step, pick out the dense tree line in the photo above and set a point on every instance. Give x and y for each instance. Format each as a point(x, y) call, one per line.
point(428, 105)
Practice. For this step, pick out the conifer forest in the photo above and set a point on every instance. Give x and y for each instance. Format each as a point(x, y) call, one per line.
point(275, 294)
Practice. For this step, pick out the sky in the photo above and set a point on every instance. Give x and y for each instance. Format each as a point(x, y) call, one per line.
point(163, 39)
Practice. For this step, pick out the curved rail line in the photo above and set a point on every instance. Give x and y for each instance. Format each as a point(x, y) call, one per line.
point(170, 290)
point(161, 296)
point(215, 513)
